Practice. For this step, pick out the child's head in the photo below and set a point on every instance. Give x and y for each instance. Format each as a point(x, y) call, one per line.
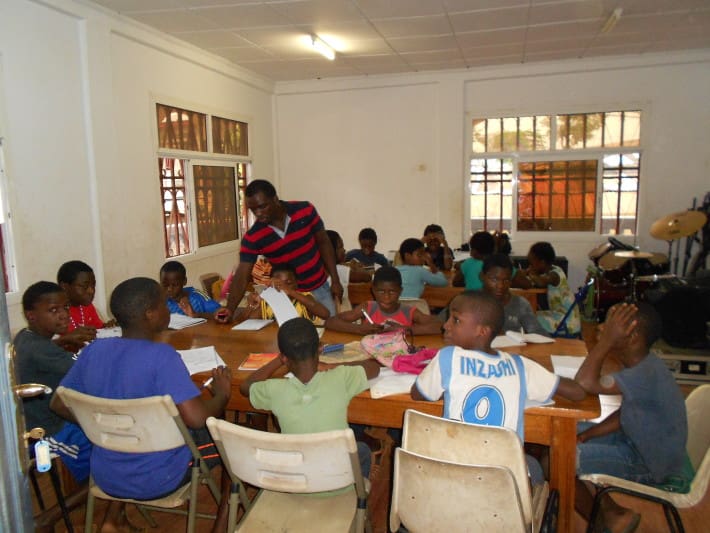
point(45, 306)
point(475, 318)
point(283, 276)
point(368, 240)
point(648, 323)
point(77, 279)
point(139, 301)
point(496, 275)
point(434, 236)
point(482, 244)
point(386, 288)
point(173, 277)
point(337, 243)
point(412, 252)
point(540, 257)
point(298, 340)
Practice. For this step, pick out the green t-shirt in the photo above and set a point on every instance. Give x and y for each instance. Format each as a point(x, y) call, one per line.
point(319, 405)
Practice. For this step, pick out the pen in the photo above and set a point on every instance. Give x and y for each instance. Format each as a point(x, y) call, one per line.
point(367, 316)
point(207, 383)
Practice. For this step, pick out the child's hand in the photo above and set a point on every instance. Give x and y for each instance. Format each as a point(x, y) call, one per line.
point(81, 334)
point(620, 323)
point(221, 381)
point(184, 304)
point(367, 329)
point(253, 299)
point(222, 315)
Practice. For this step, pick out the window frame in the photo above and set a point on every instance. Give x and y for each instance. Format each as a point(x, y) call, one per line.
point(554, 154)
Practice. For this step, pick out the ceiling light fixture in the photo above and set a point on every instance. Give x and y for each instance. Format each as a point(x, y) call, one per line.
point(612, 20)
point(322, 48)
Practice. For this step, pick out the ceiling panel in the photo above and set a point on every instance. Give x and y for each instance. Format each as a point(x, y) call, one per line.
point(271, 37)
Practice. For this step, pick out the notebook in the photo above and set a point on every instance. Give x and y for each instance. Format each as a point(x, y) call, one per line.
point(201, 359)
point(178, 321)
point(516, 338)
point(256, 360)
point(252, 324)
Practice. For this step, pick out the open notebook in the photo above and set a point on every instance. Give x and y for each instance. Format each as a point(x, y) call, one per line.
point(516, 338)
point(178, 321)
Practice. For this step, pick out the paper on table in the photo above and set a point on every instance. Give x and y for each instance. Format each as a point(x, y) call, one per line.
point(178, 321)
point(252, 324)
point(105, 333)
point(280, 304)
point(566, 365)
point(201, 359)
point(503, 341)
point(389, 382)
point(516, 338)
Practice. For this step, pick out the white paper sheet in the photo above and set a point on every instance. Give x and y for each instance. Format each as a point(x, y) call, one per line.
point(280, 304)
point(201, 359)
point(566, 365)
point(178, 321)
point(516, 338)
point(252, 324)
point(105, 333)
point(389, 382)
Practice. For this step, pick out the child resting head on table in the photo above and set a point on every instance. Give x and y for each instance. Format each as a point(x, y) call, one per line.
point(312, 401)
point(481, 385)
point(386, 312)
point(185, 300)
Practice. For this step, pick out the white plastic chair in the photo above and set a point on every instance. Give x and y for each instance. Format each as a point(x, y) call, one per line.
point(451, 440)
point(431, 495)
point(139, 425)
point(289, 468)
point(697, 405)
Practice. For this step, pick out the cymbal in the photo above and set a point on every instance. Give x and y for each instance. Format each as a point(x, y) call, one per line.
point(633, 254)
point(677, 225)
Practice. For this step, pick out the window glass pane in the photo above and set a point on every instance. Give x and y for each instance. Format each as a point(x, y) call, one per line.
point(612, 129)
point(181, 129)
point(632, 128)
point(216, 209)
point(494, 137)
point(242, 177)
point(479, 135)
point(175, 225)
point(510, 134)
point(619, 200)
point(542, 132)
point(229, 136)
point(491, 193)
point(593, 135)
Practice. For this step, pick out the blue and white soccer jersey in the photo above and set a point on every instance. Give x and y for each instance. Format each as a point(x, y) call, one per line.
point(486, 389)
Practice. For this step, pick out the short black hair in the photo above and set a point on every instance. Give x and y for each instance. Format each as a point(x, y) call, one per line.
point(543, 251)
point(260, 186)
point(497, 261)
point(35, 292)
point(487, 309)
point(132, 298)
point(69, 271)
point(387, 274)
point(433, 228)
point(409, 246)
point(483, 242)
point(503, 245)
point(174, 266)
point(368, 234)
point(282, 267)
point(334, 237)
point(298, 339)
point(649, 322)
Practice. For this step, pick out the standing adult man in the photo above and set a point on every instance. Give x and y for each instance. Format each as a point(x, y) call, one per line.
point(285, 232)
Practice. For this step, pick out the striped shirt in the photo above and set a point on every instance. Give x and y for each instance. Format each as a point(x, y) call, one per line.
point(298, 247)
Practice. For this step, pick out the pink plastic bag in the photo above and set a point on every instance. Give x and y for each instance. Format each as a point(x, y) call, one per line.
point(386, 346)
point(414, 363)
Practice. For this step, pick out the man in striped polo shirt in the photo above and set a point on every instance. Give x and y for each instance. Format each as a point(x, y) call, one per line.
point(285, 232)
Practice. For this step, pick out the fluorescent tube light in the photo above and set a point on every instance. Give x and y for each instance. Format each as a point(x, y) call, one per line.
point(612, 20)
point(322, 48)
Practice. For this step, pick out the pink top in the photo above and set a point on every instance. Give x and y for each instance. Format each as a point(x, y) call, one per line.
point(403, 316)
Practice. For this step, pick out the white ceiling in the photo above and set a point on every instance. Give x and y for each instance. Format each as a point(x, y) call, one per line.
point(402, 36)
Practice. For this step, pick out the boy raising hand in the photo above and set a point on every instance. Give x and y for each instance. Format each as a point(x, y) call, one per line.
point(644, 440)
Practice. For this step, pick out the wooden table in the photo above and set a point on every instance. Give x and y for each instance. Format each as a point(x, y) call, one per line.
point(436, 297)
point(553, 425)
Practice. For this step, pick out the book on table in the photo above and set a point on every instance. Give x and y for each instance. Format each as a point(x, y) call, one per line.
point(178, 321)
point(256, 360)
point(517, 338)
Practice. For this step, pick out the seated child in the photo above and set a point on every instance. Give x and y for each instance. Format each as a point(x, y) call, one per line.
point(348, 273)
point(414, 275)
point(312, 401)
point(475, 318)
point(185, 300)
point(645, 439)
point(496, 276)
point(386, 312)
point(481, 244)
point(77, 280)
point(39, 360)
point(136, 366)
point(366, 254)
point(542, 273)
point(283, 278)
point(441, 255)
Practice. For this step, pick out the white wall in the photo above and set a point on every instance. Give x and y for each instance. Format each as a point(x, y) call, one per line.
point(411, 136)
point(79, 93)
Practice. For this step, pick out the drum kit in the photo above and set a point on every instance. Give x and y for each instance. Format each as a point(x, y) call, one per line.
point(624, 273)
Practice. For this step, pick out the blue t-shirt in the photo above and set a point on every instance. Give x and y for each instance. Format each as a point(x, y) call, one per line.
point(367, 260)
point(653, 416)
point(198, 300)
point(471, 269)
point(132, 368)
point(414, 277)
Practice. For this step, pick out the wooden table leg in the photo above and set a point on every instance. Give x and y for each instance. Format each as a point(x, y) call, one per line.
point(563, 458)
